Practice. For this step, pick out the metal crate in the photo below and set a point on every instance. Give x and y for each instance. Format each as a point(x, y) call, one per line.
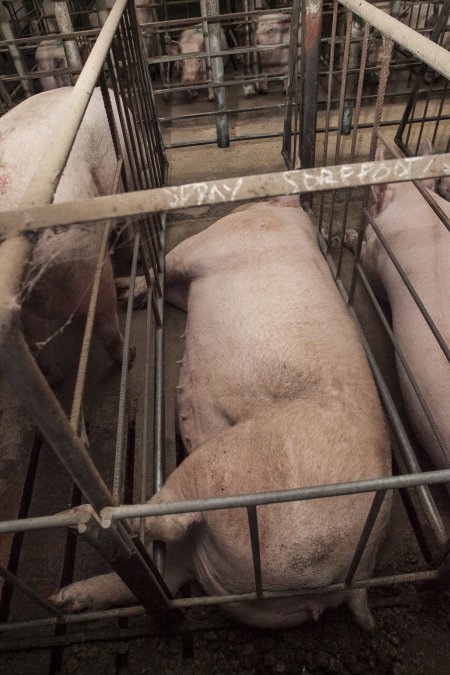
point(333, 182)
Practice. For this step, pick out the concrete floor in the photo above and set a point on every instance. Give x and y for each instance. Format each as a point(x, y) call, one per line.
point(41, 556)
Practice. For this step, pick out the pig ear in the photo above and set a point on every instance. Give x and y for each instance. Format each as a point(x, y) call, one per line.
point(429, 183)
point(383, 196)
point(428, 147)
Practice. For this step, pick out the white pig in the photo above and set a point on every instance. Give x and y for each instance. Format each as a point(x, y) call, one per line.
point(273, 29)
point(63, 263)
point(192, 70)
point(421, 243)
point(274, 393)
point(50, 56)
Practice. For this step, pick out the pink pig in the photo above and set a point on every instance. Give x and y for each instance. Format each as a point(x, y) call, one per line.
point(62, 266)
point(275, 392)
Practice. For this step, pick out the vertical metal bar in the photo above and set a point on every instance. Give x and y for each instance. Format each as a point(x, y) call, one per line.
point(367, 529)
point(328, 108)
point(119, 456)
point(159, 464)
point(384, 74)
point(146, 445)
point(291, 86)
point(214, 31)
point(354, 139)
point(310, 57)
point(64, 22)
point(19, 65)
point(256, 554)
point(206, 42)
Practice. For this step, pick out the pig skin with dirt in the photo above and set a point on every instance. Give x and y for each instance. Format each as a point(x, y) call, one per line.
point(274, 393)
point(61, 270)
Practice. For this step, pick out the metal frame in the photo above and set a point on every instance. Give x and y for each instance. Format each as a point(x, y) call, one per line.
point(102, 524)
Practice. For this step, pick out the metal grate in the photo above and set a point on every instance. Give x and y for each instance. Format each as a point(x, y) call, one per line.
point(334, 175)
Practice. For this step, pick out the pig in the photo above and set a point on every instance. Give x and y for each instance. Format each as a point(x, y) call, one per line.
point(421, 243)
point(274, 393)
point(273, 29)
point(192, 70)
point(61, 270)
point(50, 56)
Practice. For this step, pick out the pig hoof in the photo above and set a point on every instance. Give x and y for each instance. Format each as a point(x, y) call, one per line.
point(351, 239)
point(64, 600)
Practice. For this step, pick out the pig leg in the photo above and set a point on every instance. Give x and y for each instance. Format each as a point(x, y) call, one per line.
point(106, 590)
point(357, 601)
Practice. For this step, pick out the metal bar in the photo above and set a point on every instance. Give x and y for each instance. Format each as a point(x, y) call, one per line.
point(159, 455)
point(84, 354)
point(412, 577)
point(256, 554)
point(7, 34)
point(291, 82)
point(213, 44)
point(119, 453)
point(221, 191)
point(146, 408)
point(64, 22)
point(428, 52)
point(32, 389)
point(29, 592)
point(111, 514)
point(368, 527)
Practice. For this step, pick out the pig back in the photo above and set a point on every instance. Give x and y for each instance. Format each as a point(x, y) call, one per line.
point(266, 324)
point(421, 244)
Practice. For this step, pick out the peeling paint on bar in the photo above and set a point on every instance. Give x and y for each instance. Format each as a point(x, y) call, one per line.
point(223, 191)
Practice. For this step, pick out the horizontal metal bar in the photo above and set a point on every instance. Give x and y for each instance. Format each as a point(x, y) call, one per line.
point(223, 191)
point(205, 601)
point(68, 519)
point(427, 51)
point(111, 514)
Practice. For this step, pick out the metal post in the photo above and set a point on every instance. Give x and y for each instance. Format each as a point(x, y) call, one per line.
point(310, 57)
point(64, 22)
point(291, 85)
point(223, 138)
point(159, 454)
point(19, 64)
